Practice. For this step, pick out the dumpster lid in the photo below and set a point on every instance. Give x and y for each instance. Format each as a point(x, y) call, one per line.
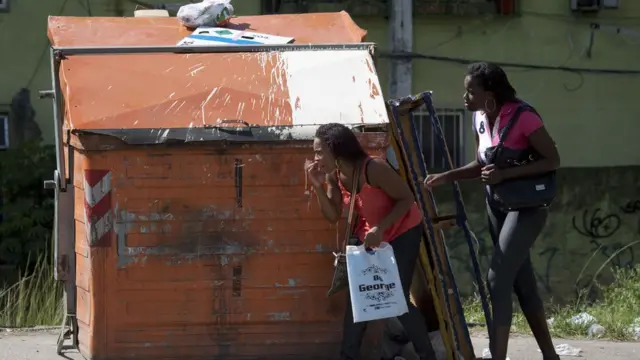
point(154, 98)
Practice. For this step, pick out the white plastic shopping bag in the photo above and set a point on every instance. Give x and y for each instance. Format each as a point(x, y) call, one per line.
point(206, 13)
point(374, 283)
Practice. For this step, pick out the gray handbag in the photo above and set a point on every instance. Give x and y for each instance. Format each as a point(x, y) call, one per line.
point(520, 193)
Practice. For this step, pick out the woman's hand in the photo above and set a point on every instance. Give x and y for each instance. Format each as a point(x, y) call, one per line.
point(316, 176)
point(373, 237)
point(491, 175)
point(434, 180)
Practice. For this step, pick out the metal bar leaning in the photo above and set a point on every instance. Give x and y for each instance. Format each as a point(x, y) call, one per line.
point(63, 52)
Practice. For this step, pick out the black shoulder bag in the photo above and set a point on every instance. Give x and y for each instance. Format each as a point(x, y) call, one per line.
point(519, 193)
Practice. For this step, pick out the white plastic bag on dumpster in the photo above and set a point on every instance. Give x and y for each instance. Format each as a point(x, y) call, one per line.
point(206, 13)
point(374, 283)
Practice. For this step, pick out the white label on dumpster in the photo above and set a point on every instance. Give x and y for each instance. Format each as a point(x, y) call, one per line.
point(216, 36)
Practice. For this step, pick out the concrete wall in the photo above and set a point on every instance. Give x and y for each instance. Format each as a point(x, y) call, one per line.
point(595, 222)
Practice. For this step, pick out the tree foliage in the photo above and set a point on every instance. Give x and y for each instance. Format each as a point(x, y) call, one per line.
point(27, 209)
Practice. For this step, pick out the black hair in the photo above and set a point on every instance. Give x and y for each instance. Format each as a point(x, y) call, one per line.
point(341, 141)
point(492, 78)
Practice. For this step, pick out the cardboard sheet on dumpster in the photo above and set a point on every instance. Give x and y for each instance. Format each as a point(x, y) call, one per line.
point(217, 36)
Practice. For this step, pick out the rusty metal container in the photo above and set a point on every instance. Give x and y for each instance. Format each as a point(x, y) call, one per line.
point(183, 228)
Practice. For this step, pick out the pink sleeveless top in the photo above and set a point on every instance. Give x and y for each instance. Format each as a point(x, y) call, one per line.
point(372, 205)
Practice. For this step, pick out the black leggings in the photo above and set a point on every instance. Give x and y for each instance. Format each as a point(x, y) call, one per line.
point(513, 234)
point(406, 248)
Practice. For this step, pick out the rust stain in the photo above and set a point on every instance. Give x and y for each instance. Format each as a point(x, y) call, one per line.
point(353, 78)
point(361, 112)
point(369, 66)
point(374, 90)
point(298, 103)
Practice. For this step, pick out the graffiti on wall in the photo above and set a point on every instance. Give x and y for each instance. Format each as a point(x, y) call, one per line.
point(606, 239)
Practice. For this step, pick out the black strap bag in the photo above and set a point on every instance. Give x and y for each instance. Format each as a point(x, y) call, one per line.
point(519, 193)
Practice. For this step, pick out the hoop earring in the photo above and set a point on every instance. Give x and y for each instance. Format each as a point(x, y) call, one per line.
point(486, 105)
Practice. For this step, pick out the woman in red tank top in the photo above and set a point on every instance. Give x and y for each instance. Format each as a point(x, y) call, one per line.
point(386, 212)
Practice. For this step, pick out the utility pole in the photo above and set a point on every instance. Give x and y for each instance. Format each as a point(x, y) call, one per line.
point(401, 40)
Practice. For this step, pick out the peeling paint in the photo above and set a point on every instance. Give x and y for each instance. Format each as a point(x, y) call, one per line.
point(297, 291)
point(352, 89)
point(279, 316)
point(125, 221)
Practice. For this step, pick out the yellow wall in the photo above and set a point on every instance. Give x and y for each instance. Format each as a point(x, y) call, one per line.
point(592, 117)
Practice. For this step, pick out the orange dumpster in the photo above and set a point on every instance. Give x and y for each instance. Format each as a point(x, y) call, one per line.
point(184, 229)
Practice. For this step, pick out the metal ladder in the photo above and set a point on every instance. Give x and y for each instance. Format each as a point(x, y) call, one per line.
point(406, 135)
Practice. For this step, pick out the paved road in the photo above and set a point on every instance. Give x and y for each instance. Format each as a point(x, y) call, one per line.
point(41, 346)
point(525, 348)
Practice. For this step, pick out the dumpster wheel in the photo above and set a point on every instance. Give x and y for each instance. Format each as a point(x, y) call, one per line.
point(68, 331)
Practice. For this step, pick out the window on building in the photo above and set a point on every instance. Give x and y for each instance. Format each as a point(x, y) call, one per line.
point(454, 128)
point(4, 130)
point(4, 6)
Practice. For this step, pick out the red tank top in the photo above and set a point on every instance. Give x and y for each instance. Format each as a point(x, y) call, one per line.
point(373, 205)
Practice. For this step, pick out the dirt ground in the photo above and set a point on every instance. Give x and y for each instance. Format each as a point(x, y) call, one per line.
point(40, 345)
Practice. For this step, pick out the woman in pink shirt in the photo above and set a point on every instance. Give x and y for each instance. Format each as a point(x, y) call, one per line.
point(386, 212)
point(493, 100)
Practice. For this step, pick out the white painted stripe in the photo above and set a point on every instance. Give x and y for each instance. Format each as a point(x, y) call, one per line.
point(96, 230)
point(94, 194)
point(333, 86)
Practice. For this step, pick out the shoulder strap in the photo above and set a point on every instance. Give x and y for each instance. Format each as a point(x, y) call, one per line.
point(350, 218)
point(366, 168)
point(505, 131)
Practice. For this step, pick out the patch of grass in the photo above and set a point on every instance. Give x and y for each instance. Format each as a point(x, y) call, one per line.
point(617, 310)
point(35, 300)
